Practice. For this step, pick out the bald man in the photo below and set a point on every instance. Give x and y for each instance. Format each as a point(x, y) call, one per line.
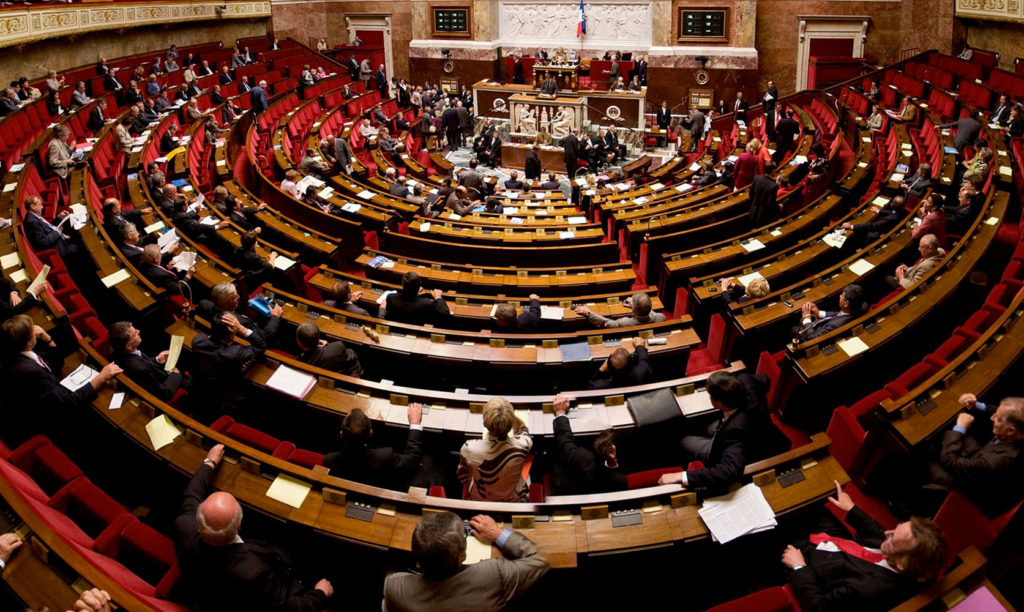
point(624, 369)
point(219, 571)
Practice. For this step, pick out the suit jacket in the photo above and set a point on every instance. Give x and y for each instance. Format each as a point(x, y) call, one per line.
point(1000, 115)
point(579, 471)
point(59, 158)
point(26, 383)
point(532, 167)
point(664, 118)
point(932, 223)
point(239, 576)
point(160, 276)
point(764, 205)
point(838, 581)
point(637, 372)
point(740, 108)
point(42, 235)
point(79, 98)
point(382, 80)
point(353, 68)
point(258, 97)
point(347, 307)
point(145, 371)
point(379, 467)
point(824, 325)
point(769, 105)
point(218, 371)
point(517, 71)
point(417, 310)
point(7, 287)
point(967, 131)
point(991, 474)
point(917, 271)
point(488, 585)
point(225, 78)
point(747, 436)
point(110, 83)
point(334, 356)
point(96, 120)
point(785, 131)
point(640, 70)
point(917, 185)
point(883, 221)
point(600, 321)
point(528, 320)
point(167, 143)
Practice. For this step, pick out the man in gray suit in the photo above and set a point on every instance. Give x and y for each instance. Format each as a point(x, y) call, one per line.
point(640, 303)
point(696, 128)
point(444, 584)
point(967, 131)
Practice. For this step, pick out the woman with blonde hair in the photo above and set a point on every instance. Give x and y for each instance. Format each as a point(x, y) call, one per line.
point(492, 467)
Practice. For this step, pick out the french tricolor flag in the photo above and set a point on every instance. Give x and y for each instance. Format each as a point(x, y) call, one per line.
point(581, 27)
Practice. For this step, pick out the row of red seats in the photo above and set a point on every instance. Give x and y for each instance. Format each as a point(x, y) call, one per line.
point(959, 67)
point(93, 524)
point(930, 73)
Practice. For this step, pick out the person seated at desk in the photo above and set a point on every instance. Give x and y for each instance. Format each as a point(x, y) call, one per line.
point(31, 366)
point(114, 218)
point(43, 234)
point(918, 183)
point(383, 466)
point(579, 471)
point(333, 356)
point(224, 299)
point(408, 306)
point(933, 221)
point(869, 569)
point(624, 369)
point(816, 322)
point(256, 268)
point(617, 84)
point(471, 178)
point(169, 141)
point(705, 175)
point(312, 164)
point(493, 466)
point(367, 131)
point(290, 183)
point(640, 303)
point(552, 182)
point(11, 301)
point(549, 87)
point(876, 119)
point(219, 569)
point(505, 319)
point(128, 243)
point(150, 266)
point(978, 166)
point(543, 137)
point(743, 434)
point(219, 364)
point(442, 582)
point(395, 187)
point(635, 84)
point(885, 219)
point(970, 199)
point(513, 183)
point(907, 111)
point(931, 256)
point(343, 298)
point(734, 292)
point(147, 371)
point(459, 203)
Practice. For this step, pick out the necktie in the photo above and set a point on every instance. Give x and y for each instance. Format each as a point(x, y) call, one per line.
point(849, 547)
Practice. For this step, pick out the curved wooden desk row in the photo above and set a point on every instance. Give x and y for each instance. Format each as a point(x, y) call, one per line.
point(911, 306)
point(475, 309)
point(466, 278)
point(563, 527)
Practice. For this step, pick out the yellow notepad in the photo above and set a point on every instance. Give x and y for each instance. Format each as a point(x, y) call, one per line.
point(853, 346)
point(288, 490)
point(476, 551)
point(162, 431)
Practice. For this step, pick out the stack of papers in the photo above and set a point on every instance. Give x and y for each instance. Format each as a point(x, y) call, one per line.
point(351, 207)
point(753, 245)
point(377, 261)
point(167, 240)
point(291, 382)
point(79, 378)
point(835, 239)
point(184, 261)
point(739, 513)
point(283, 263)
point(553, 313)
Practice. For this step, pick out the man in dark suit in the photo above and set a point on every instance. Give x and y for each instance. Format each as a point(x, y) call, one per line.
point(160, 274)
point(884, 220)
point(353, 68)
point(42, 234)
point(452, 130)
point(697, 119)
point(97, 116)
point(874, 570)
point(225, 77)
point(764, 204)
point(258, 97)
point(967, 131)
point(570, 144)
point(244, 86)
point(743, 434)
point(379, 467)
point(334, 356)
point(517, 70)
point(664, 116)
point(505, 319)
point(985, 463)
point(169, 141)
point(30, 376)
point(1001, 113)
point(12, 302)
point(224, 299)
point(513, 183)
point(408, 306)
point(815, 322)
point(579, 471)
point(382, 82)
point(640, 70)
point(471, 178)
point(624, 369)
point(342, 298)
point(9, 102)
point(785, 133)
point(920, 182)
point(739, 107)
point(114, 218)
point(532, 165)
point(218, 570)
point(768, 100)
point(219, 364)
point(141, 368)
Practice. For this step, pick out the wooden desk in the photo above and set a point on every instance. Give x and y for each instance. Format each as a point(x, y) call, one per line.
point(552, 159)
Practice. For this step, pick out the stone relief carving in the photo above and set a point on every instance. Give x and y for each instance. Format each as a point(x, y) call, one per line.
point(522, 22)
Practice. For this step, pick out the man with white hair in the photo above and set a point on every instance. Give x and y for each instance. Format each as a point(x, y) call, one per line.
point(220, 571)
point(931, 256)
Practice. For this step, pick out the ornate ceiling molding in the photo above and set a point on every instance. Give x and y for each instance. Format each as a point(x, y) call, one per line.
point(1000, 10)
point(30, 24)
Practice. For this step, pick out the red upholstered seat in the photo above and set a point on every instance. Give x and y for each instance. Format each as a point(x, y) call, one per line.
point(140, 548)
point(772, 599)
point(248, 435)
point(849, 447)
point(965, 525)
point(649, 478)
point(45, 463)
point(88, 506)
point(909, 379)
point(712, 355)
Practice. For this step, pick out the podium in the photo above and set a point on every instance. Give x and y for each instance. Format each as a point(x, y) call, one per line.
point(531, 114)
point(567, 77)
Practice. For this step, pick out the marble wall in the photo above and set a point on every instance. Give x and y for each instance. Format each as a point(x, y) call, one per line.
point(35, 59)
point(1002, 37)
